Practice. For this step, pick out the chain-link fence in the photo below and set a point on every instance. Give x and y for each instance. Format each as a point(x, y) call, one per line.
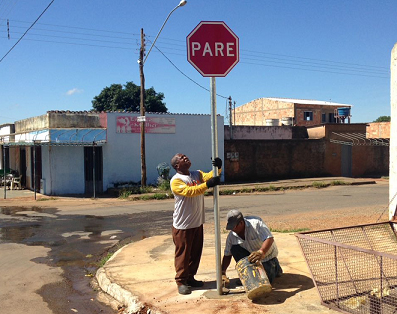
point(354, 268)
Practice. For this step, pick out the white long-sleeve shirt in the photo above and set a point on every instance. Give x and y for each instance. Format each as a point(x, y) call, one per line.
point(255, 233)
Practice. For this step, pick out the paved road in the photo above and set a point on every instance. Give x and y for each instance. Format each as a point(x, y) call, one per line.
point(48, 249)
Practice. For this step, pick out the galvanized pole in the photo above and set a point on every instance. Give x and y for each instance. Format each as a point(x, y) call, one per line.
point(4, 171)
point(34, 169)
point(214, 135)
point(93, 166)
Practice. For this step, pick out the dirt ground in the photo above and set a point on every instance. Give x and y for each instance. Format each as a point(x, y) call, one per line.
point(318, 220)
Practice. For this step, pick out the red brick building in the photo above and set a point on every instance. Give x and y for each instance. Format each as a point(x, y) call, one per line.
point(280, 111)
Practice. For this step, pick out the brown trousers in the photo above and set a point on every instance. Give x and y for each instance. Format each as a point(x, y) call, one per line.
point(188, 249)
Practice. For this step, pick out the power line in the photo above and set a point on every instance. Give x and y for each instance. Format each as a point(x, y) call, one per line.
point(185, 74)
point(246, 57)
point(26, 31)
point(254, 57)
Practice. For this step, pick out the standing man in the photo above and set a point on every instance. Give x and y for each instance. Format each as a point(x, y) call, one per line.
point(188, 188)
point(249, 236)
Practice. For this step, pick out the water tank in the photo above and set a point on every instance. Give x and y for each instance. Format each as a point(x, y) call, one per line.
point(286, 121)
point(344, 112)
point(271, 122)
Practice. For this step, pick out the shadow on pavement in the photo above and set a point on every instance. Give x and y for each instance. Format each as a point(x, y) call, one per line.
point(285, 287)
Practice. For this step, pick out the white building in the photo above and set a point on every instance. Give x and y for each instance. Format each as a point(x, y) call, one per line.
point(62, 148)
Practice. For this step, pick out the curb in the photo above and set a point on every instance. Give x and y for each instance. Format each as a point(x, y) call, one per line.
point(118, 293)
point(123, 296)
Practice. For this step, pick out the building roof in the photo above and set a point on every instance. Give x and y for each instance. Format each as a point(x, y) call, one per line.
point(310, 102)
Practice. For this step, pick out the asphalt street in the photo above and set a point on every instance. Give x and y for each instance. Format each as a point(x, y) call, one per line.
point(49, 249)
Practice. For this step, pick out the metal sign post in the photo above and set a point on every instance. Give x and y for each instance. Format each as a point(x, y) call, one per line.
point(4, 172)
point(213, 49)
point(214, 136)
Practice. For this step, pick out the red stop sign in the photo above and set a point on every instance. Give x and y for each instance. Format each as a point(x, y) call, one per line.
point(212, 48)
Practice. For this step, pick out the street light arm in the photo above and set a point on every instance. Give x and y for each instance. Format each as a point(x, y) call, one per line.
point(182, 3)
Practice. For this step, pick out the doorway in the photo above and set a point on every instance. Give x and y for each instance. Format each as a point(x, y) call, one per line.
point(93, 165)
point(346, 161)
point(35, 170)
point(22, 165)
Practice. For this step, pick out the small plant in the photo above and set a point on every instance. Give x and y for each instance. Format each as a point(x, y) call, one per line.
point(226, 192)
point(266, 188)
point(164, 185)
point(160, 196)
point(47, 199)
point(319, 185)
point(105, 259)
point(246, 190)
point(338, 182)
point(272, 188)
point(125, 193)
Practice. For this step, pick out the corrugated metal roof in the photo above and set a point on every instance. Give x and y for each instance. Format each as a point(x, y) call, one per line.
point(60, 137)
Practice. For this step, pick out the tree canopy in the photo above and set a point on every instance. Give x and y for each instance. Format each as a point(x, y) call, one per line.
point(383, 119)
point(127, 97)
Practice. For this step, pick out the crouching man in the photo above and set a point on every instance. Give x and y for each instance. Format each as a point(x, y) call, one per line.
point(249, 236)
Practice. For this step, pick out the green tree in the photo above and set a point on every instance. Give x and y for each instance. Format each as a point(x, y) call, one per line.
point(128, 97)
point(383, 119)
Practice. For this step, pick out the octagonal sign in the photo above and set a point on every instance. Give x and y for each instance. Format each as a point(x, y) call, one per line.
point(212, 48)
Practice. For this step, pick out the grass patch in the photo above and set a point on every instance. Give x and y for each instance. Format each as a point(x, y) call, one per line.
point(338, 182)
point(104, 259)
point(269, 188)
point(47, 199)
point(125, 193)
point(164, 185)
point(226, 192)
point(246, 190)
point(155, 196)
point(319, 185)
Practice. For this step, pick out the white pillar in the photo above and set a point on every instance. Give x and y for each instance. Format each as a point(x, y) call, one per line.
point(393, 136)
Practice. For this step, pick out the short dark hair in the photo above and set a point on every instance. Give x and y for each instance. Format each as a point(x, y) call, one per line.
point(175, 160)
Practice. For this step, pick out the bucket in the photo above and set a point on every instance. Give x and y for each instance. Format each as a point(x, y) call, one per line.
point(253, 278)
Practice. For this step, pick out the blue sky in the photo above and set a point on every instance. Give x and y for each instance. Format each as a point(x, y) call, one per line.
point(328, 50)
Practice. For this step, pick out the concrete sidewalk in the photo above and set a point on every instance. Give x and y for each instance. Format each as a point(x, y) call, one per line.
point(141, 275)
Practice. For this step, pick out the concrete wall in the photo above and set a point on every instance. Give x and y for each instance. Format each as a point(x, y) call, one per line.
point(259, 132)
point(122, 153)
point(32, 124)
point(59, 119)
point(70, 119)
point(378, 130)
point(393, 135)
point(268, 160)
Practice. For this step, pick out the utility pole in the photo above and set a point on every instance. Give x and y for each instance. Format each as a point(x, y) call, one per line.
point(230, 117)
point(142, 110)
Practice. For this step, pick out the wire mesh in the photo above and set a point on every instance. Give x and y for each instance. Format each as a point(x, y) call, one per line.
point(355, 268)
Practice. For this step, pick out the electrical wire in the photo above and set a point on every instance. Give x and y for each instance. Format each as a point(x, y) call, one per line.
point(185, 74)
point(26, 31)
point(251, 57)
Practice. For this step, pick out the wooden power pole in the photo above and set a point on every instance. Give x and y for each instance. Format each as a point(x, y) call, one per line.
point(142, 110)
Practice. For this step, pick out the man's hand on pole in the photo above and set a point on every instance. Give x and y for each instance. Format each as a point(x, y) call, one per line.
point(217, 162)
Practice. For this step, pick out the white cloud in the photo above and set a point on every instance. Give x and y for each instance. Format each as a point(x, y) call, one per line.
point(74, 91)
